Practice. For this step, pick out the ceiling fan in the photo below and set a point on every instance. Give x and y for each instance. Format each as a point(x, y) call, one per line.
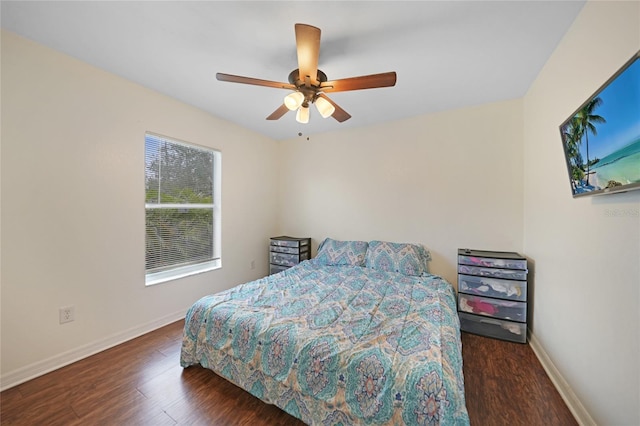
point(309, 84)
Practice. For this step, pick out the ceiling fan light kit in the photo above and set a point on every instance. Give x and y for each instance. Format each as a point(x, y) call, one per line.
point(302, 116)
point(324, 107)
point(294, 100)
point(309, 84)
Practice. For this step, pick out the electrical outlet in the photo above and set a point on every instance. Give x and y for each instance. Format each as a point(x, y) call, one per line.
point(253, 264)
point(67, 314)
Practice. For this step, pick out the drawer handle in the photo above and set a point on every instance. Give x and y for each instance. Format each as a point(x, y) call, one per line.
point(485, 321)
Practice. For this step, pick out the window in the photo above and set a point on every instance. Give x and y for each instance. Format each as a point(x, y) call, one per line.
point(182, 204)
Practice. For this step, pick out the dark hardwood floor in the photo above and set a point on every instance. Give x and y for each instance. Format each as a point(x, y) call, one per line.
point(505, 384)
point(141, 383)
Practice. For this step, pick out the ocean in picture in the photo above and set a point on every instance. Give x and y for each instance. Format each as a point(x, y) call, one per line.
point(622, 166)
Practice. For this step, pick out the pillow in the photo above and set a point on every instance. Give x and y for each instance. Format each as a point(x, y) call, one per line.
point(334, 252)
point(405, 258)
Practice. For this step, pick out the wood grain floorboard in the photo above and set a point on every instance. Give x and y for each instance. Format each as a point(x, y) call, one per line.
point(505, 384)
point(141, 383)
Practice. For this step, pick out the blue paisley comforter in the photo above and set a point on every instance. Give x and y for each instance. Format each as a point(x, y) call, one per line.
point(337, 345)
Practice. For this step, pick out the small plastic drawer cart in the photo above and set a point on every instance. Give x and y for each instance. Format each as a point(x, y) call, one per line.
point(285, 252)
point(492, 294)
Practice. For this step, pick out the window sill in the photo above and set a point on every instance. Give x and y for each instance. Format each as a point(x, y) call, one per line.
point(174, 274)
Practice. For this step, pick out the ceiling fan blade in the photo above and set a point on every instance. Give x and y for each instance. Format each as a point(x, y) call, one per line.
point(282, 110)
point(339, 114)
point(253, 81)
point(372, 81)
point(308, 47)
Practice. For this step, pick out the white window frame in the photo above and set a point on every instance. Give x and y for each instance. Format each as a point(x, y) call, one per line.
point(153, 278)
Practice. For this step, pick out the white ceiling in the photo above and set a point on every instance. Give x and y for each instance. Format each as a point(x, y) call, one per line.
point(447, 54)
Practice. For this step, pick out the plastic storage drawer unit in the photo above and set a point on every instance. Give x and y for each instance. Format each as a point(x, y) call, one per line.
point(285, 252)
point(492, 294)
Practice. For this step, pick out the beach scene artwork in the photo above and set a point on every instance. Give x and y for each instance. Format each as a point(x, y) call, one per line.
point(602, 139)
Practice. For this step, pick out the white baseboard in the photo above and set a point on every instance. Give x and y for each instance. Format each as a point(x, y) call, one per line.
point(570, 398)
point(40, 368)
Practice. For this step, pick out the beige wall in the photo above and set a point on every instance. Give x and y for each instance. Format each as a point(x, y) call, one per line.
point(586, 250)
point(448, 180)
point(73, 207)
point(489, 177)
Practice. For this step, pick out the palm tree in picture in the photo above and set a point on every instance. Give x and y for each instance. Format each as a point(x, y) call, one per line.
point(587, 120)
point(572, 134)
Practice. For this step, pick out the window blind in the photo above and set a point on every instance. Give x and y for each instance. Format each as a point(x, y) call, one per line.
point(179, 203)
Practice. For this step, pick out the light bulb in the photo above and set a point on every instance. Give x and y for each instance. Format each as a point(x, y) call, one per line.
point(324, 107)
point(302, 116)
point(293, 100)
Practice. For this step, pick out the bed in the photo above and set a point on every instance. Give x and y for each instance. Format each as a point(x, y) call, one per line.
point(361, 334)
